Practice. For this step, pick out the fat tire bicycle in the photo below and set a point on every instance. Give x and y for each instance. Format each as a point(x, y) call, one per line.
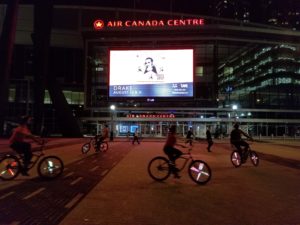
point(102, 147)
point(237, 159)
point(160, 168)
point(48, 167)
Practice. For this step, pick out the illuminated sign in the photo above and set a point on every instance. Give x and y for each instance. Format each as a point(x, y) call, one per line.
point(150, 116)
point(151, 73)
point(100, 24)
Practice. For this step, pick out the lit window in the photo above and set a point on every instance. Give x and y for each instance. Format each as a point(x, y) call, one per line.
point(228, 70)
point(47, 99)
point(12, 95)
point(199, 71)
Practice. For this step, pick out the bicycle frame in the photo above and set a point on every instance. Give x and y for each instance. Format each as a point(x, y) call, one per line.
point(35, 156)
point(247, 153)
point(93, 142)
point(186, 157)
point(238, 159)
point(48, 167)
point(160, 168)
point(189, 141)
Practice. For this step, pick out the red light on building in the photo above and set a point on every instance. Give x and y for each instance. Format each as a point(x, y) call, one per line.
point(150, 116)
point(98, 24)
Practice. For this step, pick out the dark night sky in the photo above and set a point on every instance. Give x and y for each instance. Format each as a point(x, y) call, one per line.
point(184, 6)
point(260, 10)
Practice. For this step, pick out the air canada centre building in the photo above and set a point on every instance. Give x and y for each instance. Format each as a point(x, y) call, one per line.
point(162, 68)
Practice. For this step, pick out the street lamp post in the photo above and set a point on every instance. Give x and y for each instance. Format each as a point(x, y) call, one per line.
point(112, 111)
point(234, 108)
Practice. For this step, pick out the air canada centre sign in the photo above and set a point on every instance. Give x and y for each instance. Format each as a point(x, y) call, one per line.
point(100, 24)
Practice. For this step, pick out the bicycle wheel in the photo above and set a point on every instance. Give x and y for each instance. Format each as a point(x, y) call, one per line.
point(94, 143)
point(199, 171)
point(85, 148)
point(50, 167)
point(10, 167)
point(254, 158)
point(158, 168)
point(104, 146)
point(236, 159)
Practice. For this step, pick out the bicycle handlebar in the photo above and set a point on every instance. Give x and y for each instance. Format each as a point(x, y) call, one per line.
point(42, 144)
point(189, 149)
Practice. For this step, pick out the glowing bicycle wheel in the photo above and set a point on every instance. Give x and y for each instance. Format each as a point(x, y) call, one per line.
point(50, 167)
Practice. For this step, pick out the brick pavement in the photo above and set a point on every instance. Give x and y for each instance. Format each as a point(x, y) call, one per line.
point(247, 195)
point(128, 196)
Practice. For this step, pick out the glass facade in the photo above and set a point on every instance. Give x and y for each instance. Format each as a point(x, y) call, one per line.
point(253, 66)
point(262, 77)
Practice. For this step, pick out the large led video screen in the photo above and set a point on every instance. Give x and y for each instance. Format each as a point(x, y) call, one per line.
point(151, 73)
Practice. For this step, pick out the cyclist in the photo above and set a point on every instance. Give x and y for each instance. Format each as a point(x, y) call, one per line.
point(102, 137)
point(19, 144)
point(136, 136)
point(105, 132)
point(209, 139)
point(237, 141)
point(172, 152)
point(189, 136)
point(128, 135)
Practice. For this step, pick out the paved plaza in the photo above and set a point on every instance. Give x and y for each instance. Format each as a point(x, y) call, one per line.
point(125, 194)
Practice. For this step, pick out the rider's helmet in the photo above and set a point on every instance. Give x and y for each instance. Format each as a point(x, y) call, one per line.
point(236, 125)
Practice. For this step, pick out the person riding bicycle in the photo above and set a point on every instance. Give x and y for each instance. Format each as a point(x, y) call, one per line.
point(136, 137)
point(172, 152)
point(102, 137)
point(189, 136)
point(209, 139)
point(237, 141)
point(19, 144)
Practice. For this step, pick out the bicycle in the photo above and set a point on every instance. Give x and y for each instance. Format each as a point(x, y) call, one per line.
point(101, 147)
point(237, 159)
point(189, 141)
point(160, 168)
point(49, 167)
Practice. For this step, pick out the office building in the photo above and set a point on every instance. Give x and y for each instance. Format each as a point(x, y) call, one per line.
point(98, 54)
